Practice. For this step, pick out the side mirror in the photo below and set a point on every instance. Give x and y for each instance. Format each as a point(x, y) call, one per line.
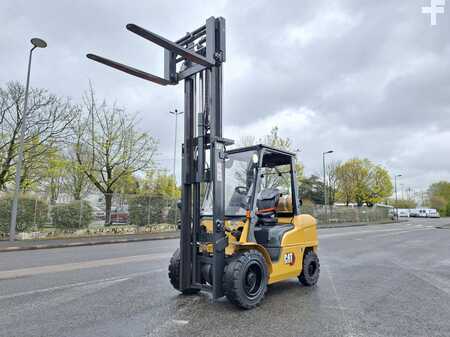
point(300, 202)
point(179, 204)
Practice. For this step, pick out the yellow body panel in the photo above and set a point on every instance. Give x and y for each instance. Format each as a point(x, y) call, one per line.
point(304, 235)
point(293, 244)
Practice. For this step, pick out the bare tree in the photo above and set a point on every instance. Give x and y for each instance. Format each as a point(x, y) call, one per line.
point(47, 124)
point(108, 147)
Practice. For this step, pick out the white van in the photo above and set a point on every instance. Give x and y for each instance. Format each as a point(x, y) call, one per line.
point(432, 213)
point(425, 213)
point(421, 213)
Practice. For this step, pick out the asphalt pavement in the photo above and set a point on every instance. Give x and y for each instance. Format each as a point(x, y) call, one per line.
point(379, 280)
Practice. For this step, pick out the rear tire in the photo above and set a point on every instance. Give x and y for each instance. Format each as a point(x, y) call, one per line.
point(245, 279)
point(310, 270)
point(174, 274)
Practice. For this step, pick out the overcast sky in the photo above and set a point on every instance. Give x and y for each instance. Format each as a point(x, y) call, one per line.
point(366, 78)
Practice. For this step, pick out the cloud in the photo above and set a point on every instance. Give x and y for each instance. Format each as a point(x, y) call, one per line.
point(366, 78)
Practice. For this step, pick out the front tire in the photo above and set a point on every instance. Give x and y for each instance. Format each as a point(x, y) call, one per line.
point(174, 274)
point(310, 270)
point(245, 279)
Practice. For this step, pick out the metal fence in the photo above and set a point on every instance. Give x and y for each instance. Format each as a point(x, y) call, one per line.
point(330, 215)
point(134, 213)
point(129, 213)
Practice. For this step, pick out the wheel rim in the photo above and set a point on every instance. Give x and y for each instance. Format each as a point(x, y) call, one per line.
point(312, 268)
point(253, 280)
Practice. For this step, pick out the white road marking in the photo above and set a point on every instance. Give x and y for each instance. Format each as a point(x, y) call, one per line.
point(435, 281)
point(80, 265)
point(108, 281)
point(401, 232)
point(360, 232)
point(347, 323)
point(180, 321)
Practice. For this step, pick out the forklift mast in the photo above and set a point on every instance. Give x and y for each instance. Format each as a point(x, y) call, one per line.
point(197, 59)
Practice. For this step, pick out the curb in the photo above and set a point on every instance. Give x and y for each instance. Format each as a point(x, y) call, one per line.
point(86, 243)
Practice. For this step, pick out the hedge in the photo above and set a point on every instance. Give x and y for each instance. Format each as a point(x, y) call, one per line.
point(31, 211)
point(67, 216)
point(147, 210)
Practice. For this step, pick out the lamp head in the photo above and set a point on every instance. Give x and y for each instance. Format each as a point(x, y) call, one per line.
point(39, 43)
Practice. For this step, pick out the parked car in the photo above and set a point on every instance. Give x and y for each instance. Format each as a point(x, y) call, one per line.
point(119, 217)
point(402, 212)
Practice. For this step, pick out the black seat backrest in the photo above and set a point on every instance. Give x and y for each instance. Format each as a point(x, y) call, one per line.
point(267, 203)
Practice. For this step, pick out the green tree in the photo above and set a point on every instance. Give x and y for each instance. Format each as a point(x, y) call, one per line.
point(350, 180)
point(108, 147)
point(379, 185)
point(53, 174)
point(439, 202)
point(311, 189)
point(439, 196)
point(332, 181)
point(160, 183)
point(441, 188)
point(403, 203)
point(361, 181)
point(156, 201)
point(76, 182)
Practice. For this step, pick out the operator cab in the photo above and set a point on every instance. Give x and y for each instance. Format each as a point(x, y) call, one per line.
point(260, 181)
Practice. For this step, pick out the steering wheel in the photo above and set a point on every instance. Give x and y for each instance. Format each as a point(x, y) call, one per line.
point(241, 190)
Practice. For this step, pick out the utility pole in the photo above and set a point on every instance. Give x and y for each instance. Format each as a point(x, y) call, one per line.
point(175, 113)
point(37, 43)
point(325, 201)
point(396, 198)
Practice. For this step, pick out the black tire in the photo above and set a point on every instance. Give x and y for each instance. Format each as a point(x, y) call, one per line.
point(245, 279)
point(311, 269)
point(174, 274)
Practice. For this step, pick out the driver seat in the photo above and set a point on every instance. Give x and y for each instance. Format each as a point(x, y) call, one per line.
point(268, 232)
point(267, 203)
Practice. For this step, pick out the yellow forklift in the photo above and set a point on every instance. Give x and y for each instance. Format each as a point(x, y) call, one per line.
point(241, 227)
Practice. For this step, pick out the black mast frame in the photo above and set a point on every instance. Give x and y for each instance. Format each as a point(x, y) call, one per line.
point(201, 54)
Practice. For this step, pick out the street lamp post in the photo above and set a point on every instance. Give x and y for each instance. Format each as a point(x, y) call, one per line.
point(396, 199)
point(37, 43)
point(324, 182)
point(175, 113)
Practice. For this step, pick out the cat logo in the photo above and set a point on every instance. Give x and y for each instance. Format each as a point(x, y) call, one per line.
point(289, 258)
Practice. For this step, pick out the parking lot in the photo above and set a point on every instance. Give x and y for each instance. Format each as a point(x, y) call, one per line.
point(379, 280)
